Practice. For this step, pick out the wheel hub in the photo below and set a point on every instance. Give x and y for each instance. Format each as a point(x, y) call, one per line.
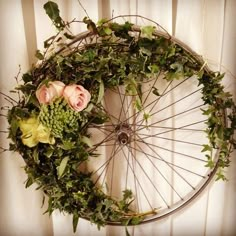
point(123, 133)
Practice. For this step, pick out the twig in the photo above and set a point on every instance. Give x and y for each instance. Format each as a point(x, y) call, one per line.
point(8, 97)
point(3, 150)
point(9, 101)
point(17, 81)
point(142, 17)
point(83, 9)
point(152, 212)
point(3, 115)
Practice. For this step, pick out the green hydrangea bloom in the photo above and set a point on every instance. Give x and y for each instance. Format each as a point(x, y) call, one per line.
point(59, 118)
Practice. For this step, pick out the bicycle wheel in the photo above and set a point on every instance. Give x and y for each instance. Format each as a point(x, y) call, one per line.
point(156, 152)
point(144, 133)
point(159, 159)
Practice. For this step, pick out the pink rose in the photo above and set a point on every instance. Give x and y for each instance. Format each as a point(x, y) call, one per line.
point(47, 93)
point(77, 96)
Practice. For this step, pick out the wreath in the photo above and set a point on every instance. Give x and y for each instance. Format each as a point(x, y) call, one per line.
point(62, 97)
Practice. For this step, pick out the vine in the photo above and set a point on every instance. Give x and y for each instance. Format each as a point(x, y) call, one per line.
point(53, 137)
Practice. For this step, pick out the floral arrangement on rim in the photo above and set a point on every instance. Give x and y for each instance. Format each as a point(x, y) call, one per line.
point(39, 129)
point(63, 95)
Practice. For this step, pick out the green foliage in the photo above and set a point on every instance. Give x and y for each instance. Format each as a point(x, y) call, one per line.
point(62, 167)
point(39, 55)
point(147, 31)
point(60, 118)
point(109, 62)
point(53, 12)
point(75, 220)
point(100, 92)
point(91, 26)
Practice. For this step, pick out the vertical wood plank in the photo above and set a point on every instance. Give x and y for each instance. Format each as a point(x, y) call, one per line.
point(21, 212)
point(30, 33)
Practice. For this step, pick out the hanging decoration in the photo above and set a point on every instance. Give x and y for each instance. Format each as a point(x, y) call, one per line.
point(61, 97)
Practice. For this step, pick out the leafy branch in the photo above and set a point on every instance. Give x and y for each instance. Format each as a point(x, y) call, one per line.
point(118, 54)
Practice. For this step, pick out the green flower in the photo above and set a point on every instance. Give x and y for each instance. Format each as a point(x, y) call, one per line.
point(34, 132)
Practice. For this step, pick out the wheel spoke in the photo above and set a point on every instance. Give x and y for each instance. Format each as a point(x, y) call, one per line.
point(129, 139)
point(162, 175)
point(171, 128)
point(103, 130)
point(148, 177)
point(127, 173)
point(122, 105)
point(169, 150)
point(164, 93)
point(170, 139)
point(167, 162)
point(179, 128)
point(136, 179)
point(108, 138)
point(106, 164)
point(170, 105)
point(170, 117)
point(153, 86)
point(149, 146)
point(109, 114)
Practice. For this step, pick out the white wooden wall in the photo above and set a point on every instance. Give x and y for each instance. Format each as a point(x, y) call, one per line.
point(207, 26)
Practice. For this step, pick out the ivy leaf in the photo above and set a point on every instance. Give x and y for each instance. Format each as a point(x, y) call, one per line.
point(155, 91)
point(36, 155)
point(220, 175)
point(61, 169)
point(177, 67)
point(48, 42)
point(147, 31)
point(146, 116)
point(153, 68)
point(207, 111)
point(131, 85)
point(75, 221)
point(136, 220)
point(27, 77)
point(67, 145)
point(127, 232)
point(171, 51)
point(91, 26)
point(107, 30)
point(14, 127)
point(53, 12)
point(69, 36)
point(101, 92)
point(206, 148)
point(29, 182)
point(138, 104)
point(87, 141)
point(102, 21)
point(39, 55)
point(49, 152)
point(143, 51)
point(127, 194)
point(174, 75)
point(210, 162)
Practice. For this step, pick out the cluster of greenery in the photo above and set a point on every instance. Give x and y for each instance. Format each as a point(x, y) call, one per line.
point(118, 57)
